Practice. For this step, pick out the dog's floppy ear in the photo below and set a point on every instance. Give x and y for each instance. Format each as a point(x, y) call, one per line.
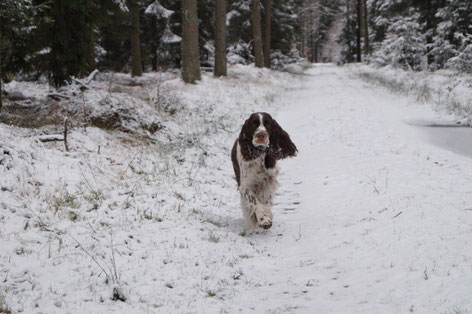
point(248, 151)
point(281, 146)
point(243, 135)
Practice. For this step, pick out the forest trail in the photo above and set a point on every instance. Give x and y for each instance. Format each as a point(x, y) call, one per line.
point(371, 217)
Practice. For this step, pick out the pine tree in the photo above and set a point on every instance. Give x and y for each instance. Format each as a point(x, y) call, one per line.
point(404, 45)
point(451, 44)
point(63, 36)
point(15, 18)
point(158, 36)
point(348, 37)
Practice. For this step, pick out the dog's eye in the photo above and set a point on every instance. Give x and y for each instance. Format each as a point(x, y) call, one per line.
point(255, 122)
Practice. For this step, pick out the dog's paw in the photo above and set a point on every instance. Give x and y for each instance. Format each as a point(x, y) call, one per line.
point(265, 222)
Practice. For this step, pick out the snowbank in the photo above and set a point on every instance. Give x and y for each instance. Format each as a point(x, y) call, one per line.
point(445, 90)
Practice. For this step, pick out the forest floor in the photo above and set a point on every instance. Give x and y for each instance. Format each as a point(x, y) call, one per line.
point(371, 217)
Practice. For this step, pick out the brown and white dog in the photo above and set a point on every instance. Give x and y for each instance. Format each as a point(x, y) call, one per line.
point(254, 155)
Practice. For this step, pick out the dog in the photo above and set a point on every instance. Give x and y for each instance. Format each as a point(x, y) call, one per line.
point(255, 152)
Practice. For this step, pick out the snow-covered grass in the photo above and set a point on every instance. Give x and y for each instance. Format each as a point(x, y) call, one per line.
point(151, 216)
point(371, 217)
point(448, 91)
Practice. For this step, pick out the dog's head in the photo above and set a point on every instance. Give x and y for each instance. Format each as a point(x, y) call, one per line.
point(261, 132)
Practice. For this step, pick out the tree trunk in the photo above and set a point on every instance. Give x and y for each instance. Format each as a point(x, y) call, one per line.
point(91, 50)
point(365, 27)
point(267, 39)
point(190, 49)
point(220, 38)
point(257, 33)
point(136, 69)
point(429, 38)
point(1, 73)
point(154, 44)
point(358, 43)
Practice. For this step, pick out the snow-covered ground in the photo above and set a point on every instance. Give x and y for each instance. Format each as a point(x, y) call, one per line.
point(444, 90)
point(370, 217)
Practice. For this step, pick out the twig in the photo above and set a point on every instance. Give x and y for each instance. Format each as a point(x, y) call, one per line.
point(397, 215)
point(87, 182)
point(66, 120)
point(92, 257)
point(127, 167)
point(82, 84)
point(299, 233)
point(113, 261)
point(83, 107)
point(111, 82)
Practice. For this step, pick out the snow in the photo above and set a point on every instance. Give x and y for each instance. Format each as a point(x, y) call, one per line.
point(370, 217)
point(170, 38)
point(445, 90)
point(158, 10)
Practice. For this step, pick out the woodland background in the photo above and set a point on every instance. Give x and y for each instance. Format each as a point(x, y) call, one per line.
point(60, 39)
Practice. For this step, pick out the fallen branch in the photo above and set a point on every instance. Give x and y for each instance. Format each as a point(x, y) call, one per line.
point(51, 138)
point(57, 96)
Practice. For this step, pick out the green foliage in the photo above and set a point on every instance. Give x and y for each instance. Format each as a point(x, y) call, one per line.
point(15, 25)
point(65, 30)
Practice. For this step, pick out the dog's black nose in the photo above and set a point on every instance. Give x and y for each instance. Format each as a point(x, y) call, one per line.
point(261, 135)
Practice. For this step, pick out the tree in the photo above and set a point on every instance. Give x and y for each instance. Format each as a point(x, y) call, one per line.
point(404, 44)
point(365, 27)
point(268, 37)
point(136, 68)
point(220, 38)
point(15, 22)
point(61, 39)
point(358, 31)
point(190, 48)
point(257, 33)
point(158, 32)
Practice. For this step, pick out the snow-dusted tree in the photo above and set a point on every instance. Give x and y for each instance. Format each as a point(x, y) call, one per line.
point(62, 35)
point(285, 31)
point(348, 36)
point(14, 26)
point(463, 61)
point(159, 37)
point(453, 36)
point(190, 48)
point(404, 45)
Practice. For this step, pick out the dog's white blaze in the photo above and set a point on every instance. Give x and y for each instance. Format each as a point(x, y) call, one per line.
point(261, 128)
point(261, 125)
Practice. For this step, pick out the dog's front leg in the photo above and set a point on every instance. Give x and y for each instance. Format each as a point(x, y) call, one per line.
point(255, 213)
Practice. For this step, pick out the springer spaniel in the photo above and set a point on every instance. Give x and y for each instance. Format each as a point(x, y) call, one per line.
point(254, 155)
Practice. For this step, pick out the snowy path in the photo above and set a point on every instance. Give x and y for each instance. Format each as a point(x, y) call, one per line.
point(372, 218)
